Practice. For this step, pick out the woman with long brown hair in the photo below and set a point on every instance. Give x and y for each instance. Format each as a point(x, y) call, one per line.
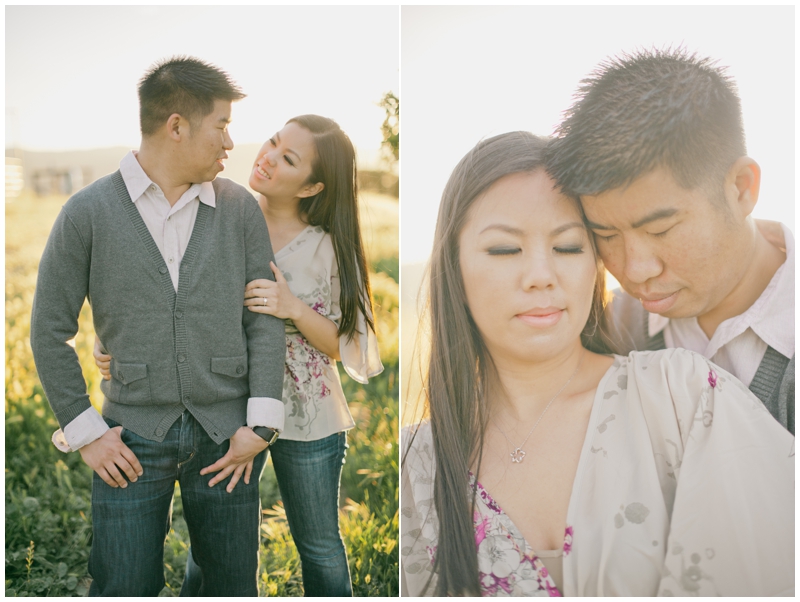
point(546, 466)
point(306, 179)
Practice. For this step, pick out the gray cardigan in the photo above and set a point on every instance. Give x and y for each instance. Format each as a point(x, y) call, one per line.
point(197, 349)
point(773, 382)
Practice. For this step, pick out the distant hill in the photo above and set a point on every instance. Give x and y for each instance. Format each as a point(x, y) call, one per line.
point(95, 163)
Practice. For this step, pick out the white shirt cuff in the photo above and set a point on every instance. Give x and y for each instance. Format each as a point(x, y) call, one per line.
point(87, 427)
point(265, 411)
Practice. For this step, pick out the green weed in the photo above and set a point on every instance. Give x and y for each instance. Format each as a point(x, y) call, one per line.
point(48, 494)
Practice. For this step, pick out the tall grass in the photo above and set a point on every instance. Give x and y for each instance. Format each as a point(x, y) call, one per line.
point(48, 493)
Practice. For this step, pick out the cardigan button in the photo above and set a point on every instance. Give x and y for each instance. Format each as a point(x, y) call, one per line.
point(239, 369)
point(187, 399)
point(178, 314)
point(159, 432)
point(163, 269)
point(181, 358)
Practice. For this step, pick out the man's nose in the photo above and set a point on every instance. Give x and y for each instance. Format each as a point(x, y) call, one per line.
point(641, 263)
point(227, 143)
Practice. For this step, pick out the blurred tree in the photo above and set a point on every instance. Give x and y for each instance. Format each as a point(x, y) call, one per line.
point(391, 128)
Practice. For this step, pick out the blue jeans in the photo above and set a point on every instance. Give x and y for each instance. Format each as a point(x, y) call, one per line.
point(308, 475)
point(131, 524)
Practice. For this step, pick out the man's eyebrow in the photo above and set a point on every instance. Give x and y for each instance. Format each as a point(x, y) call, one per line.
point(655, 216)
point(594, 226)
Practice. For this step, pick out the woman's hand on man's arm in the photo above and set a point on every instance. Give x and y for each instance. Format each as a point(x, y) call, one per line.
point(275, 299)
point(102, 359)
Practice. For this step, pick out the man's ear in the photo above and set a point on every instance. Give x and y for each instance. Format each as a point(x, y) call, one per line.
point(743, 183)
point(177, 127)
point(311, 190)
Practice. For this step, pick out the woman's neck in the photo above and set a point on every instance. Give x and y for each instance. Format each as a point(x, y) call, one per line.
point(283, 221)
point(522, 390)
point(280, 212)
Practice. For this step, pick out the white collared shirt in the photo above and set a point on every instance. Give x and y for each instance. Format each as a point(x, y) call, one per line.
point(171, 228)
point(739, 343)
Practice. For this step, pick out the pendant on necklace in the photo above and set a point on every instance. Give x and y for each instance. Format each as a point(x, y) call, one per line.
point(517, 456)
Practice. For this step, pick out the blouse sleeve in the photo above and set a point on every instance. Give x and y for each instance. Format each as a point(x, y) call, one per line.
point(418, 522)
point(360, 355)
point(732, 526)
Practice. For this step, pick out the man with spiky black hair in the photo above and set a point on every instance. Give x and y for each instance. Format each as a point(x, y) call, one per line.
point(654, 148)
point(163, 249)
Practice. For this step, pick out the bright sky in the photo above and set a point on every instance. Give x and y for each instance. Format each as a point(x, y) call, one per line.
point(72, 71)
point(473, 72)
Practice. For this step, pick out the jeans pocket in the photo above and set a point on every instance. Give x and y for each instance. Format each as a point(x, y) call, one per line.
point(113, 424)
point(110, 422)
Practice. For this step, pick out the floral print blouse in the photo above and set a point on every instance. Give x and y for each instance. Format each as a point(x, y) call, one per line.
point(684, 487)
point(508, 565)
point(312, 392)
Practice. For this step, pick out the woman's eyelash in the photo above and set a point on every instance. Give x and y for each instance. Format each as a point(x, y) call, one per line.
point(515, 250)
point(503, 251)
point(288, 160)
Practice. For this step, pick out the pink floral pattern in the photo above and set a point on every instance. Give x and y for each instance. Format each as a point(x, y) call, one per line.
point(712, 378)
point(567, 541)
point(506, 563)
point(308, 374)
point(312, 392)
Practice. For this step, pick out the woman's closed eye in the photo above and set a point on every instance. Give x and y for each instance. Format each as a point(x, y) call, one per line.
point(503, 250)
point(288, 160)
point(569, 250)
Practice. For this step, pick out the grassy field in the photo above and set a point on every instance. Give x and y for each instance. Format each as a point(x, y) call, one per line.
point(48, 494)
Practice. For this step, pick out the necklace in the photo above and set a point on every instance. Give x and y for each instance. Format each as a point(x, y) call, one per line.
point(517, 456)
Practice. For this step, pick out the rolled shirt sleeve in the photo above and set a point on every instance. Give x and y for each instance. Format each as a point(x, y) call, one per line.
point(265, 411)
point(87, 427)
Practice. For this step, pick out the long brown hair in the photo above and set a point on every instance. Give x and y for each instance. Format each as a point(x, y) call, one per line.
point(335, 209)
point(460, 366)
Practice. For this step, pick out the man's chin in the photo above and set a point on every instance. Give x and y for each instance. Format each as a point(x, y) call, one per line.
point(212, 175)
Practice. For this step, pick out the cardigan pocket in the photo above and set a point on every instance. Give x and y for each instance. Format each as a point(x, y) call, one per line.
point(129, 384)
point(230, 377)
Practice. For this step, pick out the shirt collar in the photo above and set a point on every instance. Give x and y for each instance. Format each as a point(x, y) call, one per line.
point(772, 315)
point(655, 324)
point(773, 321)
point(137, 181)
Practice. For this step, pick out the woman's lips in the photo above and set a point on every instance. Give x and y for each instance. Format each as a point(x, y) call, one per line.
point(659, 305)
point(263, 174)
point(541, 318)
